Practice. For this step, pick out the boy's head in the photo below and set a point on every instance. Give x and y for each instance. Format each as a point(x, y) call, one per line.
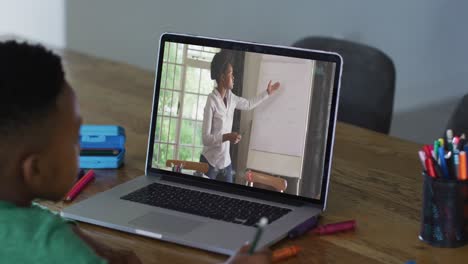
point(221, 69)
point(39, 124)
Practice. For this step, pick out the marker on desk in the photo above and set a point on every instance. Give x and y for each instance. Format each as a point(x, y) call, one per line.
point(78, 187)
point(336, 227)
point(261, 224)
point(304, 227)
point(285, 253)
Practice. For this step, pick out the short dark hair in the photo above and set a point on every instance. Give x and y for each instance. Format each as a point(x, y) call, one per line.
point(220, 62)
point(31, 79)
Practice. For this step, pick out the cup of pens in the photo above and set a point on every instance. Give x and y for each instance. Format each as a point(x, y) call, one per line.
point(444, 217)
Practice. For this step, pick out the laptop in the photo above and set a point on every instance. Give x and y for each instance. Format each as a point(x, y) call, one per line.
point(203, 189)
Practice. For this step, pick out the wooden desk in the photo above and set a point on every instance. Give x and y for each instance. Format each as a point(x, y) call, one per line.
point(375, 180)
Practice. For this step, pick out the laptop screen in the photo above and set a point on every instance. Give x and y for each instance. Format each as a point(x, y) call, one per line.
point(253, 115)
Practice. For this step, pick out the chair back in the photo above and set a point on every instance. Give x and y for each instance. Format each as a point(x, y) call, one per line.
point(253, 178)
point(458, 121)
point(189, 165)
point(367, 84)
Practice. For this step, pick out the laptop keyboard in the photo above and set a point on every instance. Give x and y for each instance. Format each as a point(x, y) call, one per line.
point(205, 204)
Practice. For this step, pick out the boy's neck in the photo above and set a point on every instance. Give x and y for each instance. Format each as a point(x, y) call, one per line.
point(9, 193)
point(18, 202)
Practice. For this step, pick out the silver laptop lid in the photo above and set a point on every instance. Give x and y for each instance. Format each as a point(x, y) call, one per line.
point(279, 112)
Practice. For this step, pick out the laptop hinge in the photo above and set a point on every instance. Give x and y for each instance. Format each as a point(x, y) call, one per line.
point(230, 190)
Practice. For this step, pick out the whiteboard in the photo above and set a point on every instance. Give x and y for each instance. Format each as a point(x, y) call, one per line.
point(279, 125)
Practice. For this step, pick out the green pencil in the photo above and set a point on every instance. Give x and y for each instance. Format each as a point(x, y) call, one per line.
point(261, 224)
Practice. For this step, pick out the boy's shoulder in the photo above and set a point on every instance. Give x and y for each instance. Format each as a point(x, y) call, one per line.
point(36, 235)
point(32, 220)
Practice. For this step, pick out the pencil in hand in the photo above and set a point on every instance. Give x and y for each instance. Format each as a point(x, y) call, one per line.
point(261, 224)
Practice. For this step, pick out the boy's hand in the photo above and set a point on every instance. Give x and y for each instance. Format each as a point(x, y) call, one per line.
point(113, 256)
point(262, 256)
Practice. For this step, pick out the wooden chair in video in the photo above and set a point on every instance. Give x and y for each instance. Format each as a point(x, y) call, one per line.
point(265, 181)
point(189, 165)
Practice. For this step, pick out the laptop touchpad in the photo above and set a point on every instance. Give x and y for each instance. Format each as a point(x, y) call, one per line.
point(165, 223)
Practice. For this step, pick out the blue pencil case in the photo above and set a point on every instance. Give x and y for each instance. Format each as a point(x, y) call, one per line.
point(102, 137)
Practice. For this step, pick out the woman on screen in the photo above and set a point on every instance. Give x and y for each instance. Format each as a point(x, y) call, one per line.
point(218, 117)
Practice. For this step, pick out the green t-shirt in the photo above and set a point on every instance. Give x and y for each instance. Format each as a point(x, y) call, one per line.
point(36, 235)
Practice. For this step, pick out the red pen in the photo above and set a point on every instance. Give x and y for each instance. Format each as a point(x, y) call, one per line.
point(76, 189)
point(336, 227)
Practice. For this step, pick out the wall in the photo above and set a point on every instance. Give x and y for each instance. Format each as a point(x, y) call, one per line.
point(42, 21)
point(424, 37)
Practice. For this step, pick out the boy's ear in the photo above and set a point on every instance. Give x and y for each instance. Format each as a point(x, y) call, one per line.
point(32, 174)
